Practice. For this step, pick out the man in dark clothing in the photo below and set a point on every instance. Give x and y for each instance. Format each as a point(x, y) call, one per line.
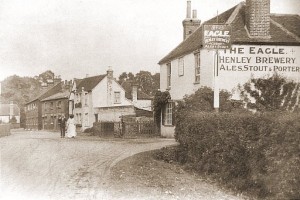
point(62, 124)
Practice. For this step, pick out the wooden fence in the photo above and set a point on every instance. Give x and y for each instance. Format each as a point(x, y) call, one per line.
point(125, 129)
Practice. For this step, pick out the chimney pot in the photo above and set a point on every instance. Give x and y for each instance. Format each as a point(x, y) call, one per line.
point(194, 14)
point(188, 9)
point(110, 73)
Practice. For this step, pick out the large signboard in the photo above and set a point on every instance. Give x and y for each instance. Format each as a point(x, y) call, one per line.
point(260, 59)
point(216, 36)
point(238, 64)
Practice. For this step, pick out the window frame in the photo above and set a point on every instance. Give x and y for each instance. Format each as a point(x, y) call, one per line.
point(181, 66)
point(169, 72)
point(197, 67)
point(168, 114)
point(117, 99)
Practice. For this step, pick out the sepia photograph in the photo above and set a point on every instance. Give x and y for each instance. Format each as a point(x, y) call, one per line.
point(149, 99)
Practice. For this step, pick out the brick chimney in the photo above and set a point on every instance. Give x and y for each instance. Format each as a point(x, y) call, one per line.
point(110, 72)
point(110, 76)
point(134, 93)
point(190, 24)
point(257, 18)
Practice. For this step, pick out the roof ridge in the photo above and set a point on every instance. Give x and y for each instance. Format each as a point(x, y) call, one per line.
point(94, 76)
point(285, 30)
point(235, 13)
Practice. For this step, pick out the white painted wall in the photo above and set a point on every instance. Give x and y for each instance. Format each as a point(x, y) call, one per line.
point(113, 114)
point(100, 95)
point(230, 73)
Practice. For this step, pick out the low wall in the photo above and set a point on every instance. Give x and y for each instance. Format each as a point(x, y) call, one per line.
point(4, 130)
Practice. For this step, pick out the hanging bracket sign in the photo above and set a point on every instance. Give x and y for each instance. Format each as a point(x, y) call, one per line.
point(217, 36)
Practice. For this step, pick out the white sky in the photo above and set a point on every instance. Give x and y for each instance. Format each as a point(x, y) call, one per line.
point(78, 37)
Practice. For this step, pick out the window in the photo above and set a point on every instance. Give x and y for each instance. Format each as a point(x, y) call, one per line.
point(117, 98)
point(51, 106)
point(197, 67)
point(180, 66)
point(168, 115)
point(59, 104)
point(86, 99)
point(168, 75)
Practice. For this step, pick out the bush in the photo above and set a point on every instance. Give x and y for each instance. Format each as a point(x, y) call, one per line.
point(253, 153)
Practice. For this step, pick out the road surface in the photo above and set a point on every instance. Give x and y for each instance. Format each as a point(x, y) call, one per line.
point(43, 166)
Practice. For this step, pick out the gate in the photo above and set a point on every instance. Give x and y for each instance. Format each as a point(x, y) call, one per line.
point(107, 128)
point(138, 128)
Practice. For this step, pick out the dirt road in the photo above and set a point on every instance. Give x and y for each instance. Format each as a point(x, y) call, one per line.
point(41, 165)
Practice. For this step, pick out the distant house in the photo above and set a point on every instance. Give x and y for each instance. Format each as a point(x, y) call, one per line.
point(101, 98)
point(261, 44)
point(9, 112)
point(53, 107)
point(141, 101)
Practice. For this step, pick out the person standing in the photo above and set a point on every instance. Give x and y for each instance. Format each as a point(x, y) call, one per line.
point(71, 128)
point(62, 124)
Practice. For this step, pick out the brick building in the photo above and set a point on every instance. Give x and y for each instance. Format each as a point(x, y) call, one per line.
point(34, 108)
point(53, 107)
point(261, 44)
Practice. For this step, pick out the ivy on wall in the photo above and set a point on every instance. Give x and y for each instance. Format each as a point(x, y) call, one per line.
point(159, 102)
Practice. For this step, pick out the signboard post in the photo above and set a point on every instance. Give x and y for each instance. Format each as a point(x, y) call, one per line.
point(216, 37)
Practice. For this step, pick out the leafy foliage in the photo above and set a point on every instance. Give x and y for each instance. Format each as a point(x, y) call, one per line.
point(160, 100)
point(202, 101)
point(147, 82)
point(257, 154)
point(269, 94)
point(22, 89)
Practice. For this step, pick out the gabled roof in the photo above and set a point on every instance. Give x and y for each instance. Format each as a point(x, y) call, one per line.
point(5, 110)
point(60, 95)
point(128, 92)
point(90, 82)
point(284, 30)
point(55, 89)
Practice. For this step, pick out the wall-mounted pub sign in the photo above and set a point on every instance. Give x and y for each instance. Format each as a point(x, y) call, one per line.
point(216, 36)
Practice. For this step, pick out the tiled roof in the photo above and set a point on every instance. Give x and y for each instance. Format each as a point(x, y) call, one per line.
point(5, 110)
point(55, 89)
point(60, 95)
point(128, 92)
point(90, 82)
point(284, 30)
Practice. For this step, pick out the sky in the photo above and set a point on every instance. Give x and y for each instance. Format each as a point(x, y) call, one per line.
point(75, 38)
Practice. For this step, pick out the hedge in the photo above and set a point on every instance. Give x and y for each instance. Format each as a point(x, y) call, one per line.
point(257, 154)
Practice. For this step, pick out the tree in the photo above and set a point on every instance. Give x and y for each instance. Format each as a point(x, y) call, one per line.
point(270, 94)
point(147, 82)
point(123, 77)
